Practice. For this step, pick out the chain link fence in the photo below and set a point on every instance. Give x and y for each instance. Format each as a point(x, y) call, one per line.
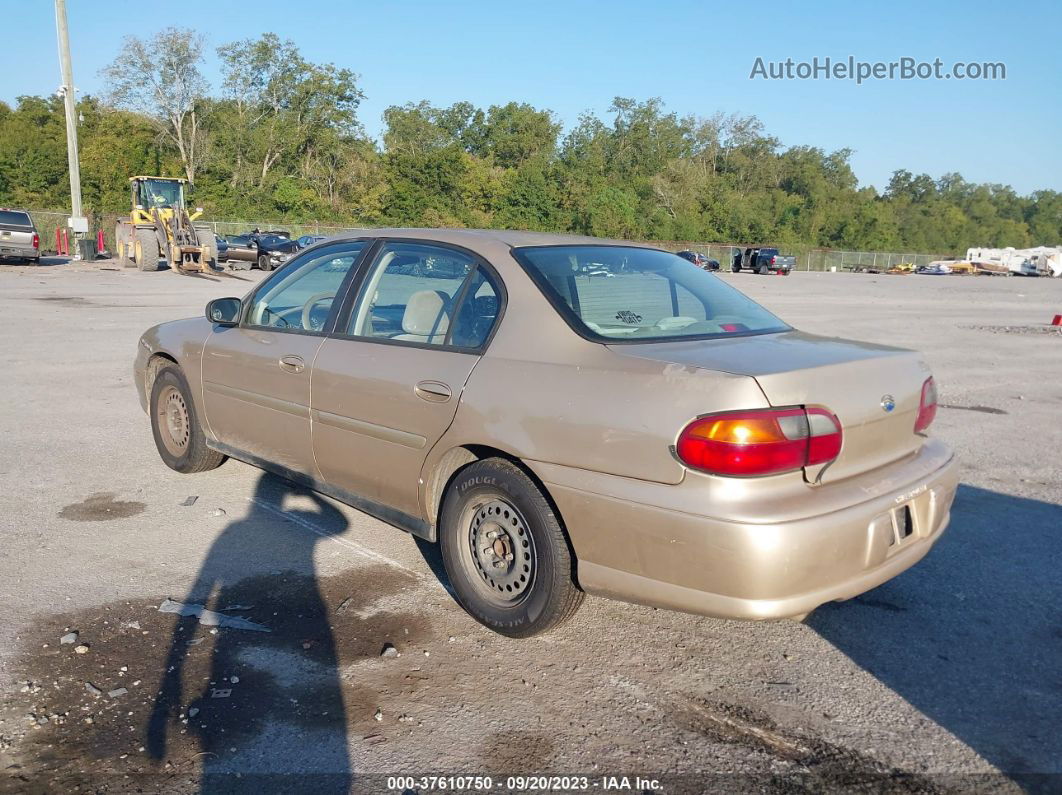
point(807, 258)
point(48, 221)
point(811, 259)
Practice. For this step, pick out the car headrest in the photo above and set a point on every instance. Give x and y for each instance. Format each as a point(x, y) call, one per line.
point(427, 313)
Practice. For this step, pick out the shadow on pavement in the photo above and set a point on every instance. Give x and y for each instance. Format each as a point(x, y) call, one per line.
point(266, 701)
point(972, 635)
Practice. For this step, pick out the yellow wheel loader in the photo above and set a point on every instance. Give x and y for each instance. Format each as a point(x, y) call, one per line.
point(159, 228)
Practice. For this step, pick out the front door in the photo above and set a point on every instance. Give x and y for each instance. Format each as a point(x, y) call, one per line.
point(256, 376)
point(386, 386)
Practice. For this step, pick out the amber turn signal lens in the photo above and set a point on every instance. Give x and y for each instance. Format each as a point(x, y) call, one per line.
point(761, 442)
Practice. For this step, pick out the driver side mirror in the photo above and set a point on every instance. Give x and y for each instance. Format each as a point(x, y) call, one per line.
point(224, 311)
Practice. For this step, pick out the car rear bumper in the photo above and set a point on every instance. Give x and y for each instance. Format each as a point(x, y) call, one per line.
point(12, 249)
point(652, 554)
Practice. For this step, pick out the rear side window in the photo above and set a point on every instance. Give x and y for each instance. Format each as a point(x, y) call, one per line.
point(477, 312)
point(426, 294)
point(15, 218)
point(624, 293)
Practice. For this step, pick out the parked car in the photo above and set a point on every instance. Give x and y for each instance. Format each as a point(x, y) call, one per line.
point(240, 249)
point(267, 251)
point(656, 436)
point(762, 261)
point(19, 237)
point(700, 260)
point(308, 240)
point(273, 250)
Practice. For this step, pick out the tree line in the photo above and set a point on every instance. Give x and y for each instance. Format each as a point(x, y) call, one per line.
point(280, 138)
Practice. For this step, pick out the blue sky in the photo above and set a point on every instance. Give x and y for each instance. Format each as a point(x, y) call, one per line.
point(575, 56)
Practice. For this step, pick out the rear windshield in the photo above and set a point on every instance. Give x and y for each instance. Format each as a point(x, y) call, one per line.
point(14, 218)
point(618, 293)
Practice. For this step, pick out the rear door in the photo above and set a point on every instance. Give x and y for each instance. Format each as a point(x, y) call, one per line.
point(386, 386)
point(256, 376)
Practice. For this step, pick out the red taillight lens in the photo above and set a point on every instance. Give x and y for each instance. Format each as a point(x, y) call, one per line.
point(762, 442)
point(36, 241)
point(774, 260)
point(927, 406)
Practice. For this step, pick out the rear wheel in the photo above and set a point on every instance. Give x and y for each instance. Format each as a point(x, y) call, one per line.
point(147, 250)
point(762, 270)
point(121, 242)
point(178, 435)
point(505, 552)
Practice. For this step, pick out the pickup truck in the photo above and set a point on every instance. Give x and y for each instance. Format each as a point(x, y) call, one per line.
point(18, 236)
point(762, 261)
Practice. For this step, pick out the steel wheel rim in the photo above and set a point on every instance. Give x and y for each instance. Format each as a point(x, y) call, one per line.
point(174, 421)
point(501, 551)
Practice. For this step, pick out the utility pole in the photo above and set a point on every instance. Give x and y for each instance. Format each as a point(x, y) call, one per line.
point(77, 221)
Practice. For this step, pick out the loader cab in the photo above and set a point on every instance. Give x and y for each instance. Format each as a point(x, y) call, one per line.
point(150, 193)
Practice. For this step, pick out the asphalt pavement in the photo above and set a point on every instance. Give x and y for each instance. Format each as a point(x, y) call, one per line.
point(948, 678)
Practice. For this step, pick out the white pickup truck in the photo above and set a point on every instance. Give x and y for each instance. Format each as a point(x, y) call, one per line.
point(18, 236)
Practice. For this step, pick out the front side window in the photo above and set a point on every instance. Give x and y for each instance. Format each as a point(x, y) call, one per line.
point(300, 296)
point(433, 295)
point(618, 293)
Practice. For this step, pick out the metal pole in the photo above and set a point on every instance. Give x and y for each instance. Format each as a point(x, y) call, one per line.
point(77, 221)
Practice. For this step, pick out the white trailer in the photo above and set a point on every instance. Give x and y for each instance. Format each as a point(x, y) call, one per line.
point(1039, 261)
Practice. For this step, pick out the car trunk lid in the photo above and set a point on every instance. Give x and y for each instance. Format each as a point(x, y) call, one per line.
point(857, 381)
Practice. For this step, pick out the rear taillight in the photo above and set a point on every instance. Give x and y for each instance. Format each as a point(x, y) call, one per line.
point(761, 442)
point(927, 406)
point(774, 260)
point(36, 241)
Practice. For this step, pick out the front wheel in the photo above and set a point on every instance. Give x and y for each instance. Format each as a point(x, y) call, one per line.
point(265, 263)
point(146, 250)
point(505, 552)
point(178, 435)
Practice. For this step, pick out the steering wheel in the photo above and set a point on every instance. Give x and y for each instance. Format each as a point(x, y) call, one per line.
point(307, 309)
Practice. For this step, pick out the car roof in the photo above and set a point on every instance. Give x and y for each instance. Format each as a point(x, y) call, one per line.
point(472, 238)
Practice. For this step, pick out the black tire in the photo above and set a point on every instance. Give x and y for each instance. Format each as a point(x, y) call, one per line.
point(204, 235)
point(536, 560)
point(762, 270)
point(147, 246)
point(265, 263)
point(735, 269)
point(181, 443)
point(121, 242)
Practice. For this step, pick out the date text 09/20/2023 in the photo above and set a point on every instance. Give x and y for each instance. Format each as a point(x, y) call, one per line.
point(524, 783)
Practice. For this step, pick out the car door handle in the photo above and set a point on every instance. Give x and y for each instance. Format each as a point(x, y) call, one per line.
point(292, 364)
point(432, 391)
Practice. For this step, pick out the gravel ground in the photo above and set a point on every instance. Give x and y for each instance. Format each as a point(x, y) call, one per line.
point(940, 680)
